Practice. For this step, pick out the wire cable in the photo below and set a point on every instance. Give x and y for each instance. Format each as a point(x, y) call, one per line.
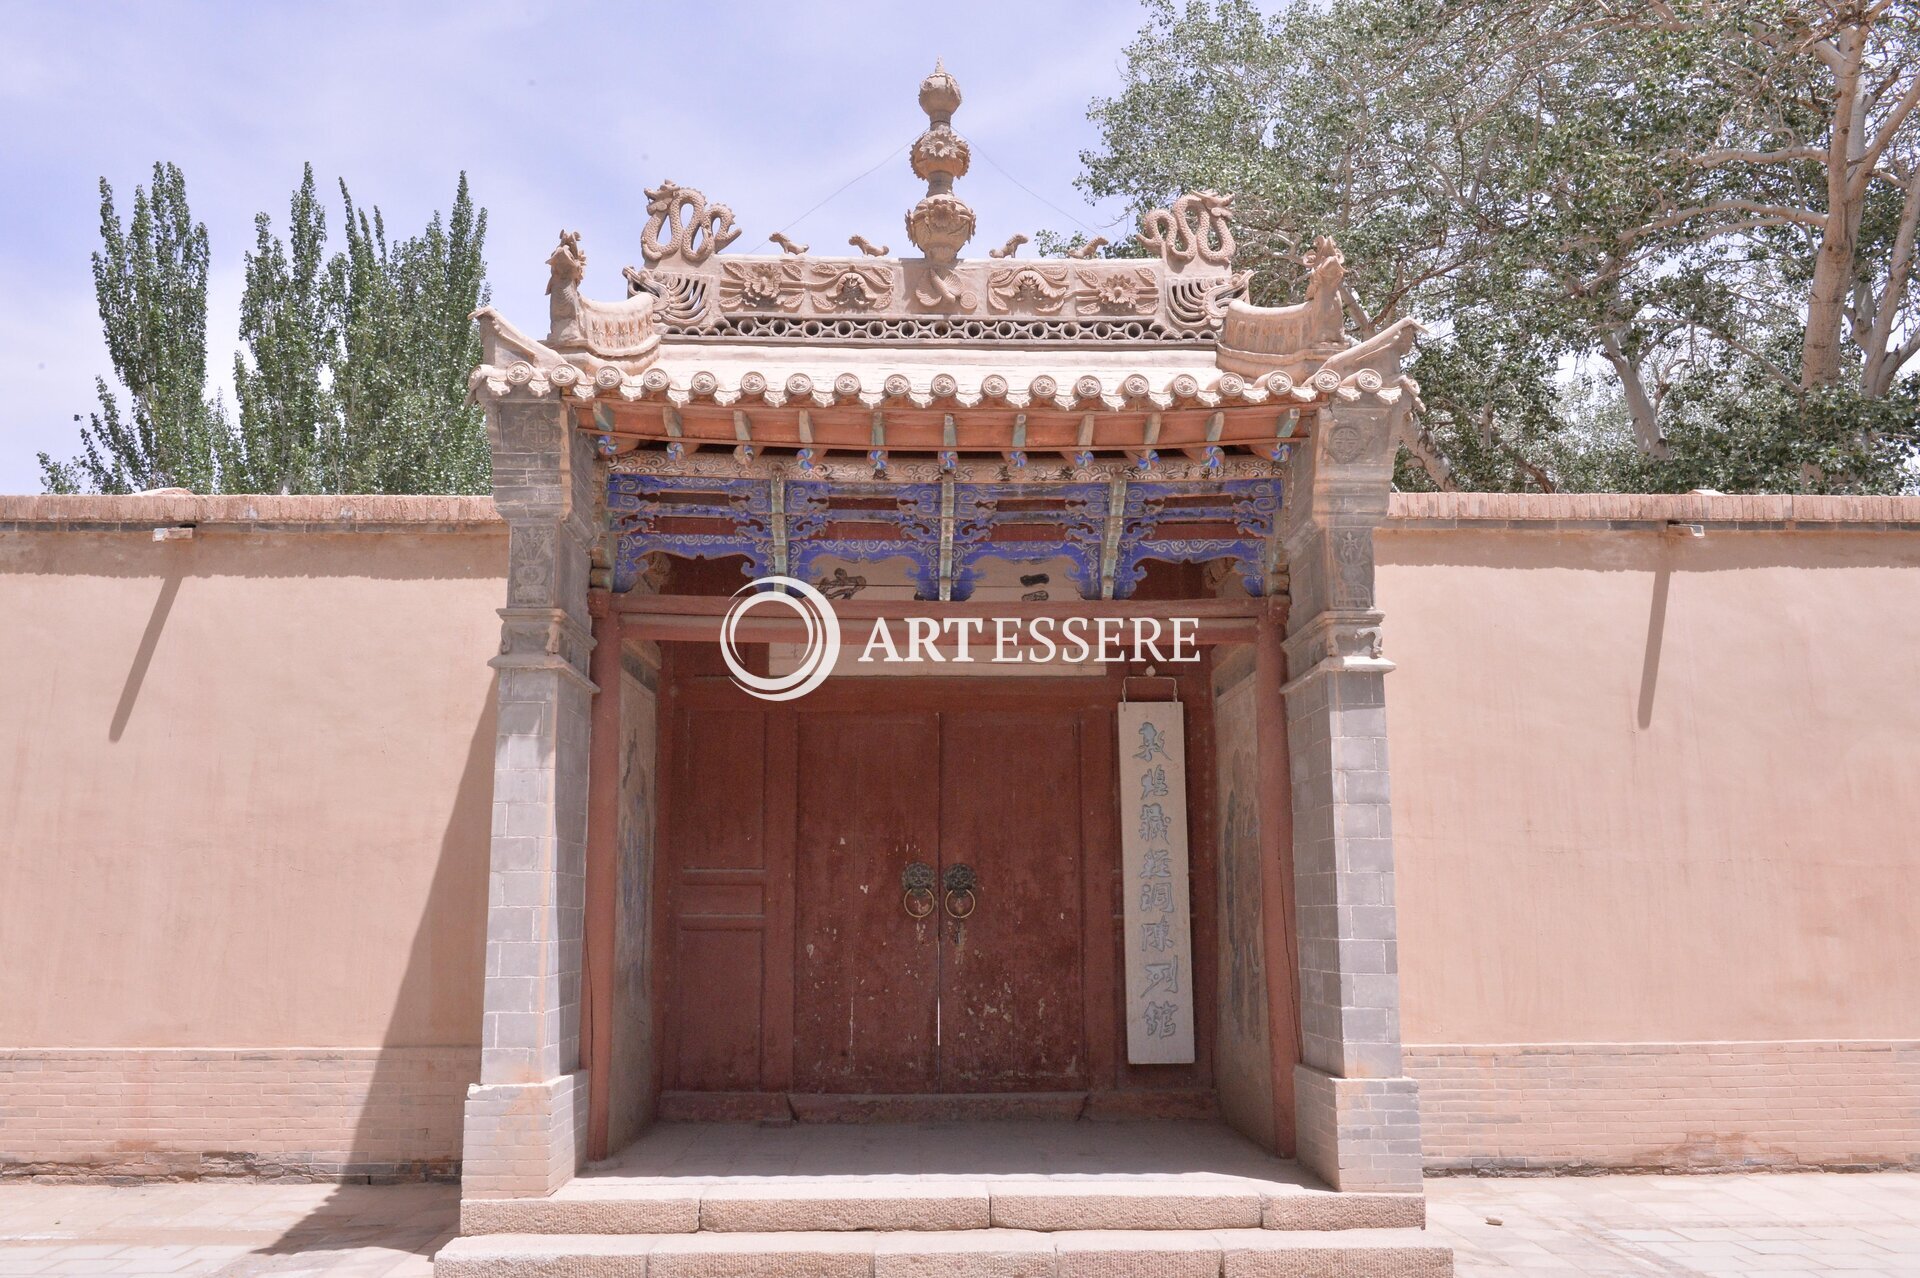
point(781, 230)
point(981, 152)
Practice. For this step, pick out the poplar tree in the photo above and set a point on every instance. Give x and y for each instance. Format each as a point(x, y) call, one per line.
point(352, 371)
point(150, 280)
point(403, 343)
point(280, 379)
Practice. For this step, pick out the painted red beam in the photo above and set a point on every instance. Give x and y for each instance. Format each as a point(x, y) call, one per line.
point(696, 618)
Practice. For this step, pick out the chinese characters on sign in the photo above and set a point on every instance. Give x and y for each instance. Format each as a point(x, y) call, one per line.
point(1153, 855)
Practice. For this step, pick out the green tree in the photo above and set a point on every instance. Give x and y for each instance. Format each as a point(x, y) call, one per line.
point(281, 378)
point(150, 280)
point(1552, 184)
point(404, 343)
point(352, 373)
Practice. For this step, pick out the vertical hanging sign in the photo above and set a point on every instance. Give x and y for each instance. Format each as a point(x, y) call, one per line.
point(1153, 857)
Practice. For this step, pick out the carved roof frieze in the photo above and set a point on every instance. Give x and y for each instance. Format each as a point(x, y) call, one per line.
point(961, 387)
point(889, 299)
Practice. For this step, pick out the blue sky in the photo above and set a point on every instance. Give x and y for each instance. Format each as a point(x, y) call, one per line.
point(559, 115)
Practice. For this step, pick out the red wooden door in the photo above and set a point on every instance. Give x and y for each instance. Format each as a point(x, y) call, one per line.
point(1011, 979)
point(865, 972)
point(789, 961)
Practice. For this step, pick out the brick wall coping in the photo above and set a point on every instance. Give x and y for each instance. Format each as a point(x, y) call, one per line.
point(142, 511)
point(1634, 510)
point(1407, 510)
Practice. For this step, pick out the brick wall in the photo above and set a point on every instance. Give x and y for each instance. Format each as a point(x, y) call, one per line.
point(1668, 1106)
point(375, 1113)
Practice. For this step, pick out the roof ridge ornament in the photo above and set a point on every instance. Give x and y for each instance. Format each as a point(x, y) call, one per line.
point(567, 265)
point(698, 229)
point(1199, 225)
point(941, 223)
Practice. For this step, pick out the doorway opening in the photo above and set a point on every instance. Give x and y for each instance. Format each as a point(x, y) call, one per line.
point(900, 898)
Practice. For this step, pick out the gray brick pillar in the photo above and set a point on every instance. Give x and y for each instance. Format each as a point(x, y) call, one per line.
point(1358, 1115)
point(526, 1119)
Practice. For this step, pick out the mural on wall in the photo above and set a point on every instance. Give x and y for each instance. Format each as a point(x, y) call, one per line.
point(1243, 1048)
point(632, 999)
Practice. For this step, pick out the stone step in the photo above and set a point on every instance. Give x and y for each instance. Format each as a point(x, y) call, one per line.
point(945, 1204)
point(978, 1253)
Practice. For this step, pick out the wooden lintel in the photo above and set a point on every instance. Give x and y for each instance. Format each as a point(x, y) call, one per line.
point(697, 618)
point(773, 628)
point(1210, 607)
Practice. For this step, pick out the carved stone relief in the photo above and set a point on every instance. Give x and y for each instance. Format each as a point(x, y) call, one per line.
point(530, 565)
point(1036, 290)
point(528, 428)
point(1352, 551)
point(761, 285)
point(1126, 291)
point(847, 286)
point(1345, 443)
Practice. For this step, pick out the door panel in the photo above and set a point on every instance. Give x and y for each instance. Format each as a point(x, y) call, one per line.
point(716, 868)
point(864, 971)
point(1011, 973)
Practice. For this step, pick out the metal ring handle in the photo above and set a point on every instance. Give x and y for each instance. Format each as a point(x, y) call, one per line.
point(973, 903)
point(916, 890)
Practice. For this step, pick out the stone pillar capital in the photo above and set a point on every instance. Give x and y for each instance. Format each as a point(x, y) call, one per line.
point(1333, 641)
point(544, 639)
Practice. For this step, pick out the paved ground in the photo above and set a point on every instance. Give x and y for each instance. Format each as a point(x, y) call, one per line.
point(213, 1227)
point(1611, 1225)
point(973, 1150)
point(1716, 1225)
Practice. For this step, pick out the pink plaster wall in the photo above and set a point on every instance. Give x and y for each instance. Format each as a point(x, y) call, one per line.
point(245, 784)
point(1655, 788)
point(1657, 841)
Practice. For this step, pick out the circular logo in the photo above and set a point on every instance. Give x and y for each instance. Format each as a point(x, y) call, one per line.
point(817, 659)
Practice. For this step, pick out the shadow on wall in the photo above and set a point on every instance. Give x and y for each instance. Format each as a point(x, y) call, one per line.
point(143, 655)
point(1656, 635)
point(438, 959)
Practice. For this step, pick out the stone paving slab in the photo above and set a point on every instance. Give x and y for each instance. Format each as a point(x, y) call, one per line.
point(1714, 1226)
point(1624, 1226)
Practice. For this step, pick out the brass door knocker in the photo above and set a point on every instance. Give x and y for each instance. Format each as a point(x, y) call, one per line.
point(916, 888)
point(960, 882)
